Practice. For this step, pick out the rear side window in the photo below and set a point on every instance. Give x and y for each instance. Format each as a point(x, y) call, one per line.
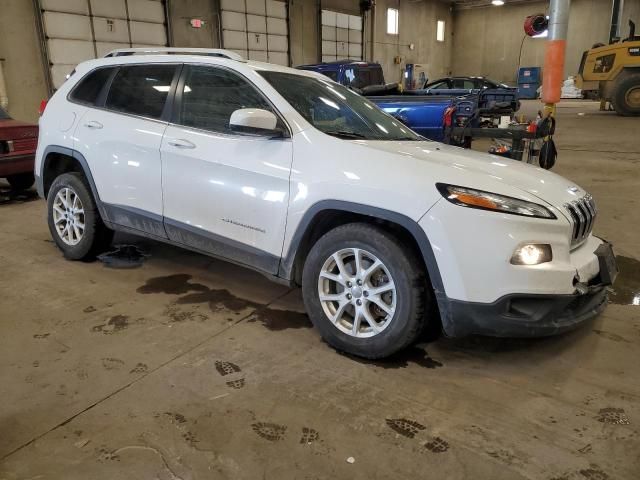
point(141, 89)
point(89, 88)
point(210, 95)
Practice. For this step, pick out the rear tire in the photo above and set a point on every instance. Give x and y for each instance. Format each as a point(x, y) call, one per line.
point(626, 96)
point(372, 311)
point(21, 181)
point(74, 220)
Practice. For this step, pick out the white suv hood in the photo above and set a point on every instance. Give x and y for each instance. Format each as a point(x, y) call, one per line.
point(483, 171)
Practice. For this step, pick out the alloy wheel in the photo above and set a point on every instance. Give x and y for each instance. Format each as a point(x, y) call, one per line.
point(357, 292)
point(68, 216)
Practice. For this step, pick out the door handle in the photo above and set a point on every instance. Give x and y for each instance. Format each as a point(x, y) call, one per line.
point(181, 143)
point(93, 124)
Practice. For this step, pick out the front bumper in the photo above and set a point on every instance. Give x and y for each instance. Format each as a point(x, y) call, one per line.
point(525, 315)
point(532, 315)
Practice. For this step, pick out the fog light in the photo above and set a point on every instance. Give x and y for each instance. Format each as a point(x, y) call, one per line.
point(532, 254)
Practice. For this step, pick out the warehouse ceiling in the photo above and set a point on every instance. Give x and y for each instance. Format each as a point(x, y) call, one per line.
point(462, 4)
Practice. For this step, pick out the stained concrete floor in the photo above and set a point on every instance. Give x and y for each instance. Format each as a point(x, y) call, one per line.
point(191, 368)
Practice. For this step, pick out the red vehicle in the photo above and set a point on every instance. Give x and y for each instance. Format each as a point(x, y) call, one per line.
point(18, 142)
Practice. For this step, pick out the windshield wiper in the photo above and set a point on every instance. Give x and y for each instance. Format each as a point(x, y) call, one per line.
point(345, 134)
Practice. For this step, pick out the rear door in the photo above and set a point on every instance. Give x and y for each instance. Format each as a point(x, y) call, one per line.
point(225, 193)
point(120, 139)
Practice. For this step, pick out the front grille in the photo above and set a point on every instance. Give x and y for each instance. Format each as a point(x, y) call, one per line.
point(583, 216)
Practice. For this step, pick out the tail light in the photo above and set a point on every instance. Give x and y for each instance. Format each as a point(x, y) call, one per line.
point(448, 116)
point(43, 105)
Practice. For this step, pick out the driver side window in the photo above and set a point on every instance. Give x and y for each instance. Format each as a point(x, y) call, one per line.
point(210, 95)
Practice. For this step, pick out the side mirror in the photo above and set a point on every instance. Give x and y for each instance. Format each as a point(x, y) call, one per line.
point(254, 121)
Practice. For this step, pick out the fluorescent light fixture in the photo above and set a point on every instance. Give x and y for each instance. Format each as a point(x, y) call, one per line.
point(497, 3)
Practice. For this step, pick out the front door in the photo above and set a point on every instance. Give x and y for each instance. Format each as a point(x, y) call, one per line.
point(225, 193)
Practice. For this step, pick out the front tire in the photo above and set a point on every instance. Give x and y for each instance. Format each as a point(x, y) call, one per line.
point(626, 97)
point(21, 181)
point(364, 291)
point(74, 220)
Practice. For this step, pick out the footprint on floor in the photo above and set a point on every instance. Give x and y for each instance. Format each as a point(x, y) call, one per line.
point(406, 428)
point(236, 383)
point(614, 416)
point(140, 368)
point(437, 445)
point(190, 438)
point(226, 368)
point(176, 417)
point(112, 363)
point(105, 454)
point(116, 324)
point(309, 435)
point(41, 335)
point(269, 431)
point(594, 473)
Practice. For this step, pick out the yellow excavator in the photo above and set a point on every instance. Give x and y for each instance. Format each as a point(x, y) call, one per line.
point(612, 73)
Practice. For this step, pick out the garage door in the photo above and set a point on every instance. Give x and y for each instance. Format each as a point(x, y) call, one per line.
point(78, 30)
point(256, 29)
point(341, 36)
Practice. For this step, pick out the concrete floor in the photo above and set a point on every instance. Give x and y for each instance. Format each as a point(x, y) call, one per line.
point(189, 367)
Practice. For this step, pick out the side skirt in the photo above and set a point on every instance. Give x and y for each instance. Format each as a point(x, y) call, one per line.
point(172, 232)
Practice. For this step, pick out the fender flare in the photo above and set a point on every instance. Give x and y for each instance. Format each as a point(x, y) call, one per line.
point(85, 170)
point(287, 262)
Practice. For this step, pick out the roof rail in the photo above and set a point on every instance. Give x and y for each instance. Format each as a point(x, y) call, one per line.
point(211, 52)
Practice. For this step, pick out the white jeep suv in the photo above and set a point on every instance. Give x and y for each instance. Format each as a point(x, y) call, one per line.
point(293, 175)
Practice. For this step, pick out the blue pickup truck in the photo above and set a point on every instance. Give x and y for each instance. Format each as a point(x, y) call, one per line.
point(423, 111)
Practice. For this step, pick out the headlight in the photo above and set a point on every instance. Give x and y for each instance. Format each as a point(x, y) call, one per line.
point(468, 197)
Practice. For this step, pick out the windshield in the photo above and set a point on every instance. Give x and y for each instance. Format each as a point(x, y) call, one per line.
point(4, 115)
point(336, 110)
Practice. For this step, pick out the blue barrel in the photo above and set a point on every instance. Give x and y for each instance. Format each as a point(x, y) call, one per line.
point(529, 75)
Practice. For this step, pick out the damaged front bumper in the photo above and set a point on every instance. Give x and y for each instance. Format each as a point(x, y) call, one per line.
point(533, 315)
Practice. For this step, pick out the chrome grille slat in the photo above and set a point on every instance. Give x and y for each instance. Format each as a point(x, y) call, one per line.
point(583, 214)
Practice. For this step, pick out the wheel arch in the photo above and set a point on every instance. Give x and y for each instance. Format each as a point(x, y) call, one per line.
point(57, 160)
point(328, 214)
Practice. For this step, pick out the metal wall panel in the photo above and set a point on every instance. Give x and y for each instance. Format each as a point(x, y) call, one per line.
point(67, 25)
point(276, 9)
point(111, 30)
point(79, 30)
point(146, 11)
point(149, 33)
point(233, 6)
point(109, 9)
point(69, 6)
point(341, 36)
point(69, 52)
point(256, 29)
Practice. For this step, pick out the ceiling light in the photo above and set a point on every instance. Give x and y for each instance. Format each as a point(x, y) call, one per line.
point(497, 3)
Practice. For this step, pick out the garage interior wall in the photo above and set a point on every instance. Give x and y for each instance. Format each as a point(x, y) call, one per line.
point(630, 11)
point(256, 29)
point(487, 40)
point(478, 41)
point(79, 30)
point(416, 26)
point(183, 34)
point(22, 64)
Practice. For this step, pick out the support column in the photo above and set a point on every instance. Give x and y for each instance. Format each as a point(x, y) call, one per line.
point(553, 73)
